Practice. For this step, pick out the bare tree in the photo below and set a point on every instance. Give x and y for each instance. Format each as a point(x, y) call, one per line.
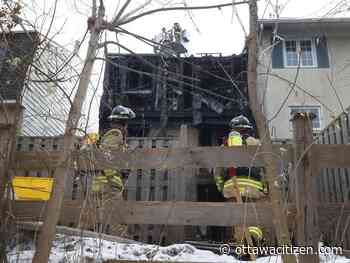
point(97, 24)
point(35, 72)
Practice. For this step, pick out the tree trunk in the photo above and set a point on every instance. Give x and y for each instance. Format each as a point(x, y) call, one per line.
point(271, 165)
point(47, 231)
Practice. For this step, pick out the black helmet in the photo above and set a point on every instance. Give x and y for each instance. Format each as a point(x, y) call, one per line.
point(240, 122)
point(122, 113)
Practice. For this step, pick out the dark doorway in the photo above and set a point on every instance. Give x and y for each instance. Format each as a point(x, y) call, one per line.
point(209, 193)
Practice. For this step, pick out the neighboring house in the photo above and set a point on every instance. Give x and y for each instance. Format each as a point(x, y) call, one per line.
point(314, 54)
point(16, 53)
point(40, 78)
point(50, 85)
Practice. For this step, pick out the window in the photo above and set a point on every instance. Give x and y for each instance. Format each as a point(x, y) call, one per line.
point(300, 51)
point(306, 54)
point(316, 122)
point(291, 53)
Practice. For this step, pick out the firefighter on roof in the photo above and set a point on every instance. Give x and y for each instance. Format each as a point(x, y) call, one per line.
point(109, 183)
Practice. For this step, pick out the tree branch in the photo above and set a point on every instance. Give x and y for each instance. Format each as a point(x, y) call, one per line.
point(178, 9)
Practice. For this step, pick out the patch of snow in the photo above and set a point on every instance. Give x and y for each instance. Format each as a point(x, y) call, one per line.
point(71, 249)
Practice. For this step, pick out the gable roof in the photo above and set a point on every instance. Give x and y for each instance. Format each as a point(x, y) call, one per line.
point(309, 24)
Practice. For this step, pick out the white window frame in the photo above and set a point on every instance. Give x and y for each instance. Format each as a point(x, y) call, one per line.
point(301, 107)
point(313, 53)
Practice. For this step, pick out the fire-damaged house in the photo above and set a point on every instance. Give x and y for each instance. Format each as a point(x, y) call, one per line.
point(167, 93)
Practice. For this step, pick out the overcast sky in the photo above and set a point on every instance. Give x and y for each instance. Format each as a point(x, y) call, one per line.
point(210, 30)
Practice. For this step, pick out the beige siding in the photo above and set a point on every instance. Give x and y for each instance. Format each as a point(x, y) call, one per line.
point(313, 80)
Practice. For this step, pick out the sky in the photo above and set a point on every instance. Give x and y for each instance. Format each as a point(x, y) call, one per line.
point(210, 31)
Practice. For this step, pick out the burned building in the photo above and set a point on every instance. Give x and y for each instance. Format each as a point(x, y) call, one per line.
point(199, 93)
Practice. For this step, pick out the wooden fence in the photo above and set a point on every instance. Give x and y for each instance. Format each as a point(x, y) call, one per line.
point(330, 215)
point(333, 182)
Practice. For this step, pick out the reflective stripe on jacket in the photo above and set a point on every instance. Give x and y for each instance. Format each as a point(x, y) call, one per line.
point(110, 179)
point(244, 182)
point(255, 232)
point(234, 139)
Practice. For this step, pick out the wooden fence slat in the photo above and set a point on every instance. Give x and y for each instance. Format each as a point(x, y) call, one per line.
point(332, 155)
point(160, 213)
point(327, 171)
point(326, 197)
point(343, 140)
point(340, 171)
point(183, 213)
point(335, 171)
point(331, 170)
point(329, 156)
point(158, 158)
point(345, 136)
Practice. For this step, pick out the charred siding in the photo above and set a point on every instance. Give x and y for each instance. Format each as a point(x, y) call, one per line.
point(200, 94)
point(199, 91)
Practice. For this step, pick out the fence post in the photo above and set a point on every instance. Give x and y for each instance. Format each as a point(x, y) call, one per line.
point(306, 170)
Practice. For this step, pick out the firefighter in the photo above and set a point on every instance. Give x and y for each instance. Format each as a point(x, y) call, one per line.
point(109, 183)
point(177, 32)
point(242, 183)
point(249, 181)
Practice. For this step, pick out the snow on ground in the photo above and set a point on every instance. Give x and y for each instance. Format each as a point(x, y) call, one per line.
point(72, 249)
